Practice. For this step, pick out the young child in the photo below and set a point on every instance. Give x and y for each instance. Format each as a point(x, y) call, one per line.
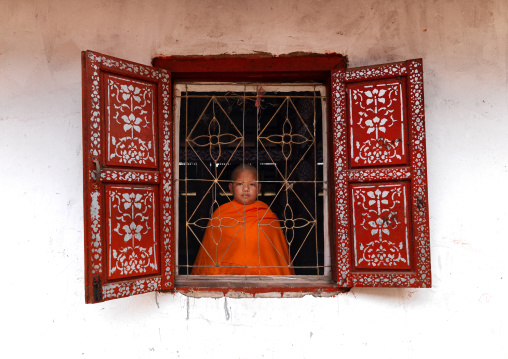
point(243, 237)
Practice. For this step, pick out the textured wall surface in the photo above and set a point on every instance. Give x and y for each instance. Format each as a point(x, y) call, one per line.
point(465, 54)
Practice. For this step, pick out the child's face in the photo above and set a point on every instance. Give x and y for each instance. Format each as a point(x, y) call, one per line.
point(244, 188)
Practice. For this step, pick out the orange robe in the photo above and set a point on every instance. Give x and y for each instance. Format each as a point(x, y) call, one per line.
point(234, 246)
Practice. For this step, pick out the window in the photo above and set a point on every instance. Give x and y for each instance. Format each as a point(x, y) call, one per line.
point(277, 128)
point(376, 172)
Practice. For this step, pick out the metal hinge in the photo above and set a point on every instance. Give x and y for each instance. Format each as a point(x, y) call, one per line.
point(97, 289)
point(420, 203)
point(97, 169)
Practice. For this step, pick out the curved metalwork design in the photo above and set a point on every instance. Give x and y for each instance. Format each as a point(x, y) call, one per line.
point(278, 130)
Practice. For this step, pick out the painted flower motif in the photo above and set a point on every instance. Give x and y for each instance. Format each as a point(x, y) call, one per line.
point(132, 260)
point(379, 226)
point(382, 253)
point(135, 150)
point(376, 124)
point(377, 196)
point(132, 200)
point(132, 231)
point(375, 95)
point(131, 122)
point(377, 151)
point(128, 91)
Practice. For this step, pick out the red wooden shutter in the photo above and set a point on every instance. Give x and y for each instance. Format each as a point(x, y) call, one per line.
point(380, 175)
point(127, 155)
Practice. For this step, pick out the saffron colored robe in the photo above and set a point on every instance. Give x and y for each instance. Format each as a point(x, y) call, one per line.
point(259, 244)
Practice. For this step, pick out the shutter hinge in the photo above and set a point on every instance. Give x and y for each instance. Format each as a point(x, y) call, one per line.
point(97, 289)
point(97, 169)
point(420, 203)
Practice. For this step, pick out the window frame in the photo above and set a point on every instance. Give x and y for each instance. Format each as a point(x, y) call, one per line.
point(197, 87)
point(265, 69)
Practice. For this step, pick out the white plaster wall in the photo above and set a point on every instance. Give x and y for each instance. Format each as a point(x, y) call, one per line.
point(464, 47)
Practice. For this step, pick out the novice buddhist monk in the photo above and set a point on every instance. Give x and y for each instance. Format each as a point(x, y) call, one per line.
point(244, 235)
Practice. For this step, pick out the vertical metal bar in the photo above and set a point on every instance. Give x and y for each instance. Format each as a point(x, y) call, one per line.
point(243, 163)
point(214, 172)
point(214, 192)
point(186, 177)
point(315, 180)
point(257, 170)
point(286, 184)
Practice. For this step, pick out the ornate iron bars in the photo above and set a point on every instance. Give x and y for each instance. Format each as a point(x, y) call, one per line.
point(276, 128)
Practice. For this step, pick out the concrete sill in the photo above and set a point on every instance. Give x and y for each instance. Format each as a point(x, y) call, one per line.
point(257, 286)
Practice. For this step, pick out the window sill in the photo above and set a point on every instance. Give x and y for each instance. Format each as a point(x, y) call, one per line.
point(257, 286)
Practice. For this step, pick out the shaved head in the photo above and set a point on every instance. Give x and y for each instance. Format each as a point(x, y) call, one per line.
point(243, 168)
point(244, 185)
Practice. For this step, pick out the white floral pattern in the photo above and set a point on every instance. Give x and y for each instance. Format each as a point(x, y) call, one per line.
point(381, 71)
point(125, 289)
point(131, 110)
point(415, 175)
point(376, 110)
point(132, 176)
point(98, 68)
point(133, 246)
point(380, 208)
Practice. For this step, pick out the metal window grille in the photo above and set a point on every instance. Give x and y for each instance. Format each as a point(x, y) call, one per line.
point(277, 128)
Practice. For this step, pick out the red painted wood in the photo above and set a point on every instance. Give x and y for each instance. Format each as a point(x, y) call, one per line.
point(377, 123)
point(386, 239)
point(127, 178)
point(338, 191)
point(381, 226)
point(353, 180)
point(130, 121)
point(255, 68)
point(132, 231)
point(249, 63)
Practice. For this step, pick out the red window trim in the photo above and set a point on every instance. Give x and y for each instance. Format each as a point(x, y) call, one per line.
point(260, 68)
point(251, 67)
